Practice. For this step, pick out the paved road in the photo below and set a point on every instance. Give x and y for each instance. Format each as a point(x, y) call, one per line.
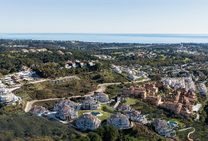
point(197, 117)
point(29, 104)
point(12, 89)
point(38, 81)
point(189, 132)
point(101, 88)
point(107, 84)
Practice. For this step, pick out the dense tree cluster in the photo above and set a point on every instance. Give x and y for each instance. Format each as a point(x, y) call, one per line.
point(105, 133)
point(171, 59)
point(12, 62)
point(25, 127)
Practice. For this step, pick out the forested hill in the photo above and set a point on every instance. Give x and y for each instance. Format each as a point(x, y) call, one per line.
point(11, 62)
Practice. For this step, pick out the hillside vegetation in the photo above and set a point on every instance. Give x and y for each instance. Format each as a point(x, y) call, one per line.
point(26, 128)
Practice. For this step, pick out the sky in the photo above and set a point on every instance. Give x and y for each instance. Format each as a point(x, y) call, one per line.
point(104, 16)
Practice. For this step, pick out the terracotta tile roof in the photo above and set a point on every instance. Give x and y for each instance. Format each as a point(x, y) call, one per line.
point(88, 117)
point(38, 108)
point(159, 123)
point(117, 116)
point(133, 113)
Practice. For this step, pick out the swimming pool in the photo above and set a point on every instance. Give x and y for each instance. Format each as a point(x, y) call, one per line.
point(173, 123)
point(95, 113)
point(196, 108)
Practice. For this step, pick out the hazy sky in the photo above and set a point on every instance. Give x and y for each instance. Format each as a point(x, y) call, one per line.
point(104, 16)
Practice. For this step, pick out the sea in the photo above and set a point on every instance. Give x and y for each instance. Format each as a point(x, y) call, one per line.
point(110, 38)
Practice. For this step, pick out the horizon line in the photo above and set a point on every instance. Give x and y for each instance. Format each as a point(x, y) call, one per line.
point(102, 33)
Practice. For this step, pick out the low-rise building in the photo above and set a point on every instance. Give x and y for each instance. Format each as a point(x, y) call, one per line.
point(60, 52)
point(90, 104)
point(24, 68)
point(133, 77)
point(16, 77)
point(24, 51)
point(60, 104)
point(119, 121)
point(42, 49)
point(88, 121)
point(175, 82)
point(101, 97)
point(124, 107)
point(66, 113)
point(180, 101)
point(39, 110)
point(163, 128)
point(202, 88)
point(136, 116)
point(32, 50)
point(7, 97)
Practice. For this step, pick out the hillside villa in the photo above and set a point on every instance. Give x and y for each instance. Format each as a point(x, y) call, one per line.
point(90, 104)
point(136, 116)
point(119, 121)
point(39, 110)
point(88, 121)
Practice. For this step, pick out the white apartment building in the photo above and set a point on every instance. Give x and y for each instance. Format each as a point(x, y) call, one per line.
point(136, 116)
point(202, 88)
point(119, 121)
point(7, 97)
point(88, 121)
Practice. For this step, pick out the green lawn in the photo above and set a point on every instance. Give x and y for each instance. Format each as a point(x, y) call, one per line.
point(186, 59)
point(130, 101)
point(103, 117)
point(117, 53)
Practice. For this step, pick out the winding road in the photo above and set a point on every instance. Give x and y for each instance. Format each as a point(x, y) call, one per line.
point(189, 132)
point(101, 88)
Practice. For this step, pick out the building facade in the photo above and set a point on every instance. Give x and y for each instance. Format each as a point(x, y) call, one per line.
point(119, 121)
point(88, 121)
point(39, 110)
point(90, 104)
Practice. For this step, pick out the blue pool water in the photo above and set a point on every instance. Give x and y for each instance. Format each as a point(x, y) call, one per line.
point(95, 113)
point(173, 123)
point(196, 108)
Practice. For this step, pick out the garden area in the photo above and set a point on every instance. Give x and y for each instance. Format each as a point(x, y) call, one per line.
point(105, 110)
point(130, 101)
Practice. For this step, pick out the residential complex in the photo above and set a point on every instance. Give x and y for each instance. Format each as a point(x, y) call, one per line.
point(132, 72)
point(103, 56)
point(88, 121)
point(202, 88)
point(136, 116)
point(119, 121)
point(66, 113)
point(90, 104)
point(7, 97)
point(65, 110)
point(124, 107)
point(163, 128)
point(100, 97)
point(184, 82)
point(60, 104)
point(77, 63)
point(39, 110)
point(180, 100)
